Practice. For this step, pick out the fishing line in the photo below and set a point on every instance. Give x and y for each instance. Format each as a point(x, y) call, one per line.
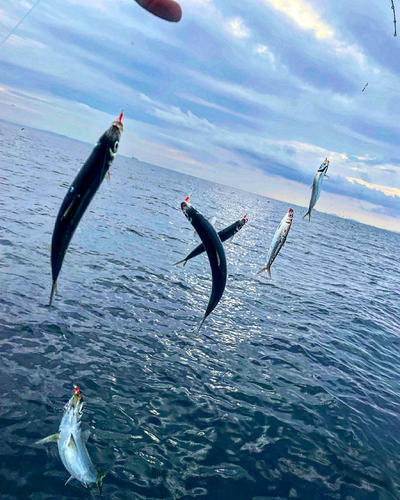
point(19, 22)
point(394, 18)
point(301, 182)
point(194, 186)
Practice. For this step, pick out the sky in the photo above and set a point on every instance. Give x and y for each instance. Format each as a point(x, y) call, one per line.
point(253, 94)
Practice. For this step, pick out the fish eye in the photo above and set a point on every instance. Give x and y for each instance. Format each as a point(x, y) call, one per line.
point(116, 146)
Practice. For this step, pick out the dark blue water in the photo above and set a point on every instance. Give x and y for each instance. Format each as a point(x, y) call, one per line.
point(290, 390)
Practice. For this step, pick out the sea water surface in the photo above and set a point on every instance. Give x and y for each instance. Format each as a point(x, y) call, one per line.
point(290, 390)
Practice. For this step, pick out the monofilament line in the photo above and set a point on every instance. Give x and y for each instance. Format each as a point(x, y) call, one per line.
point(19, 22)
point(394, 18)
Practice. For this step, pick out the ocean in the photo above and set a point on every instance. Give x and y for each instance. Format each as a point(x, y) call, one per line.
point(291, 389)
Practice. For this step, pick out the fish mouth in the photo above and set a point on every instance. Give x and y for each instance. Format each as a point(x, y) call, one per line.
point(75, 403)
point(324, 166)
point(185, 206)
point(118, 125)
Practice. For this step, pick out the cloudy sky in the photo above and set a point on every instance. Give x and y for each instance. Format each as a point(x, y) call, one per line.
point(254, 94)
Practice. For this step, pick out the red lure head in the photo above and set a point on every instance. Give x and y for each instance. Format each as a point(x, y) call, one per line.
point(120, 116)
point(185, 205)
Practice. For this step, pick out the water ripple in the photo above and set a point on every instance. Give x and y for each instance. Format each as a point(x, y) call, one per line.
point(291, 390)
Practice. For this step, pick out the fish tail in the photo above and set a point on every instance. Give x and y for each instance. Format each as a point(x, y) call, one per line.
point(100, 481)
point(309, 216)
point(180, 262)
point(266, 269)
point(53, 290)
point(201, 324)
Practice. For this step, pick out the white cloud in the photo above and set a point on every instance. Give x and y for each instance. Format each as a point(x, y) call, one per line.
point(304, 16)
point(19, 42)
point(388, 191)
point(237, 91)
point(307, 19)
point(176, 116)
point(264, 51)
point(364, 158)
point(223, 109)
point(312, 148)
point(106, 53)
point(188, 120)
point(204, 9)
point(390, 167)
point(348, 51)
point(293, 106)
point(236, 28)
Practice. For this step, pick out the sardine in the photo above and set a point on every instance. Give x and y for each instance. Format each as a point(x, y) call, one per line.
point(224, 235)
point(317, 186)
point(80, 194)
point(278, 240)
point(71, 444)
point(215, 253)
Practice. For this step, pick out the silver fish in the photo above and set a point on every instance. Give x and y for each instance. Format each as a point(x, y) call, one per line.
point(278, 240)
point(317, 186)
point(215, 252)
point(71, 444)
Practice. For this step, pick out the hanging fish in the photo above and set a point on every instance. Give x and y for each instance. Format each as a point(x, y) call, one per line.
point(80, 194)
point(317, 186)
point(278, 240)
point(71, 444)
point(215, 253)
point(224, 235)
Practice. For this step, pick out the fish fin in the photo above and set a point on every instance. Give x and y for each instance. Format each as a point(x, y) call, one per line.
point(85, 435)
point(108, 177)
point(180, 262)
point(48, 439)
point(68, 209)
point(309, 216)
point(100, 481)
point(68, 480)
point(71, 442)
point(311, 186)
point(265, 269)
point(212, 220)
point(53, 290)
point(326, 176)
